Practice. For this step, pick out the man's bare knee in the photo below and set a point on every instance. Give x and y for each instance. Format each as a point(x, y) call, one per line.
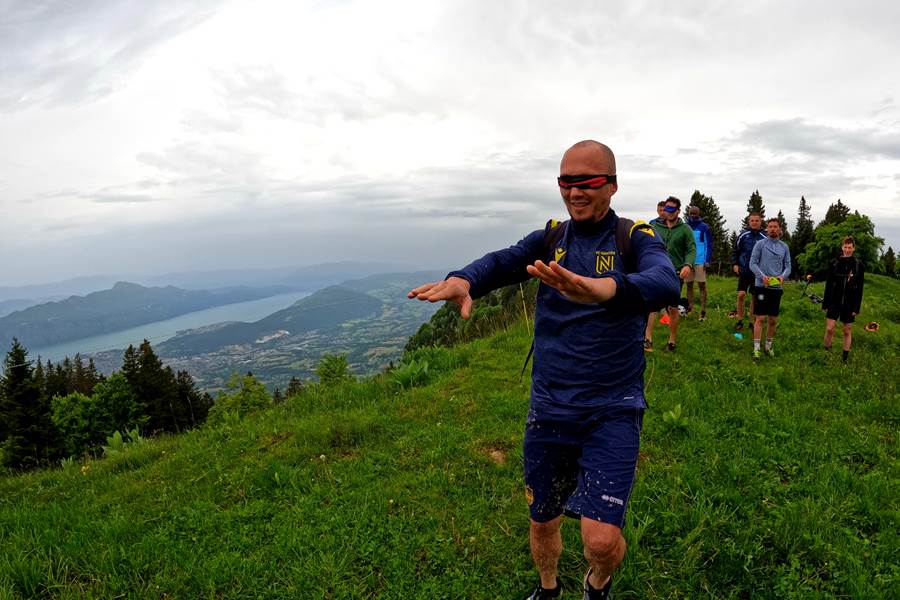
point(602, 542)
point(547, 527)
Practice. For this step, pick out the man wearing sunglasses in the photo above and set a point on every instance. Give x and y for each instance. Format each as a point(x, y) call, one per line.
point(582, 431)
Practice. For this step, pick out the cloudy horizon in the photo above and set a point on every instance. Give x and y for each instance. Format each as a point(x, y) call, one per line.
point(156, 137)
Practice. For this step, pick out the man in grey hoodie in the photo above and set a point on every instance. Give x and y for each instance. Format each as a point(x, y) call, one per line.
point(770, 263)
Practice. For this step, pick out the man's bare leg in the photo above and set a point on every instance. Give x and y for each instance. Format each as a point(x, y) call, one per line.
point(674, 319)
point(604, 549)
point(546, 546)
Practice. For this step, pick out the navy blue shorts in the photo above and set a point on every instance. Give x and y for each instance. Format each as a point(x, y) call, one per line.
point(582, 466)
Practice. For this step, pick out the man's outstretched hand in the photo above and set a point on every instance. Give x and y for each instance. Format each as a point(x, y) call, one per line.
point(452, 289)
point(574, 287)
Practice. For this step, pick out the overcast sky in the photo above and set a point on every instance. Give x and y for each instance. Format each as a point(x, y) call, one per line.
point(146, 137)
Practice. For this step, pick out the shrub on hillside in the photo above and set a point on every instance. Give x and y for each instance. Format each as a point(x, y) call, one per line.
point(333, 369)
point(245, 395)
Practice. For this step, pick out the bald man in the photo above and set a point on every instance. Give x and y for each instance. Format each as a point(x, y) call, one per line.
point(599, 277)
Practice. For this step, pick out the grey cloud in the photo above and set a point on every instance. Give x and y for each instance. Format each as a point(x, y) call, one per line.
point(59, 52)
point(121, 198)
point(800, 136)
point(262, 88)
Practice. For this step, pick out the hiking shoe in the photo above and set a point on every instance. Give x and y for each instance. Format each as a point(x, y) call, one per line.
point(770, 353)
point(732, 314)
point(648, 345)
point(670, 347)
point(756, 355)
point(540, 593)
point(591, 594)
point(739, 325)
point(702, 316)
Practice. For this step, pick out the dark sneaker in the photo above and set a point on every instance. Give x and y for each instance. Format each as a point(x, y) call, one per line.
point(670, 347)
point(732, 314)
point(739, 326)
point(591, 594)
point(540, 593)
point(648, 345)
point(702, 316)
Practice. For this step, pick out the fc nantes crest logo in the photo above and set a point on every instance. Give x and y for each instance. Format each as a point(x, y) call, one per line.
point(558, 254)
point(606, 261)
point(529, 495)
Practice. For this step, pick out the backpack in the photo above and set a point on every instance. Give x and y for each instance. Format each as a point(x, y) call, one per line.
point(554, 232)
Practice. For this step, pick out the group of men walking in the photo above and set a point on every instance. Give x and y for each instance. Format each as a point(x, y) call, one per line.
point(601, 275)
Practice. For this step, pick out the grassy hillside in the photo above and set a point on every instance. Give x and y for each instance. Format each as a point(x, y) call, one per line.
point(778, 480)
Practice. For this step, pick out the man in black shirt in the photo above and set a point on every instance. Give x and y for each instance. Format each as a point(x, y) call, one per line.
point(843, 294)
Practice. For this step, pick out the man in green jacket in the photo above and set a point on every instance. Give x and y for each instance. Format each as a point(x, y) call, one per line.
point(678, 238)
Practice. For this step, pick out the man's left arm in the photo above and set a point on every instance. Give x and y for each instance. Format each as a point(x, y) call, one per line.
point(785, 273)
point(710, 241)
point(654, 284)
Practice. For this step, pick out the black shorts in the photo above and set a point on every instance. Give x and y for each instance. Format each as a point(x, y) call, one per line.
point(767, 301)
point(746, 281)
point(840, 313)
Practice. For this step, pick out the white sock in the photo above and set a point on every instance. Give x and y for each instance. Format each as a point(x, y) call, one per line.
point(769, 343)
point(756, 344)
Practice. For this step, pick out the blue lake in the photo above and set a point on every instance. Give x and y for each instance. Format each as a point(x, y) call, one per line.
point(160, 331)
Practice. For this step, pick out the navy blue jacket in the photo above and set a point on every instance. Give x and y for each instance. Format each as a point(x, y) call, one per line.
point(586, 355)
point(740, 254)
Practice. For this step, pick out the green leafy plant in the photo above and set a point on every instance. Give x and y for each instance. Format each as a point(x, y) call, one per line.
point(411, 374)
point(115, 444)
point(675, 419)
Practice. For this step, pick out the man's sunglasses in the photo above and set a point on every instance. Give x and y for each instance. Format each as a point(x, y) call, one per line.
point(584, 182)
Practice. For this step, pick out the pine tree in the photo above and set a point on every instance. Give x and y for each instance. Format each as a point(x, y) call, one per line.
point(754, 205)
point(54, 381)
point(836, 214)
point(294, 388)
point(785, 234)
point(154, 386)
point(804, 231)
point(889, 262)
point(710, 213)
point(732, 244)
point(193, 406)
point(27, 435)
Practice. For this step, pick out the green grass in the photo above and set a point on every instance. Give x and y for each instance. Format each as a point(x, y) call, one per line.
point(778, 480)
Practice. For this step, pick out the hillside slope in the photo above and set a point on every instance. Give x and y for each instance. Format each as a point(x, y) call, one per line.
point(778, 480)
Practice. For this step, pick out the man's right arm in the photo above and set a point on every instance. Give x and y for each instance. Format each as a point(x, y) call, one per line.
point(754, 261)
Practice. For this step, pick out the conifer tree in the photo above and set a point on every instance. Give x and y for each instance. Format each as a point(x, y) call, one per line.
point(55, 383)
point(754, 205)
point(294, 388)
point(803, 231)
point(785, 234)
point(154, 387)
point(27, 435)
point(836, 214)
point(193, 406)
point(889, 262)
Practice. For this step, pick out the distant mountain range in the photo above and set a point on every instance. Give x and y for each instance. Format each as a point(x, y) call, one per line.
point(124, 305)
point(303, 279)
